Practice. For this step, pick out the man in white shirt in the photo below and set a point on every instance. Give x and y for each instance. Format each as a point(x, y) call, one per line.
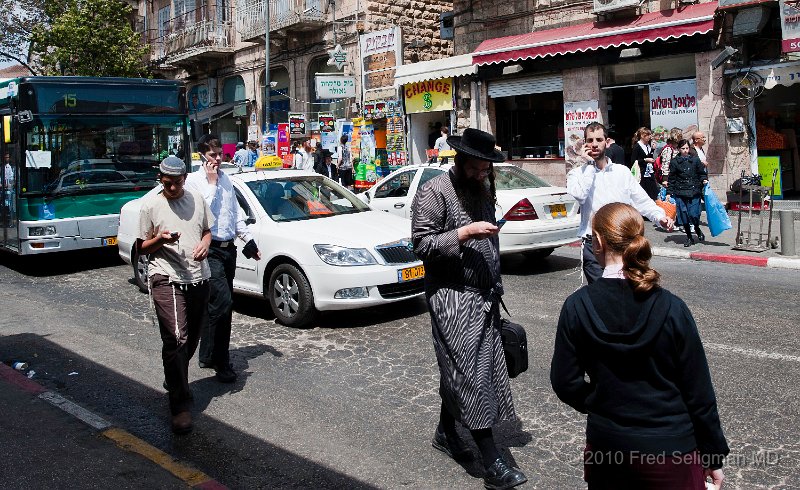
point(306, 156)
point(698, 141)
point(240, 157)
point(218, 192)
point(599, 182)
point(441, 143)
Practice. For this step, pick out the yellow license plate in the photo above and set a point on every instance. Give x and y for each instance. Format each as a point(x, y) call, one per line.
point(110, 241)
point(411, 273)
point(558, 210)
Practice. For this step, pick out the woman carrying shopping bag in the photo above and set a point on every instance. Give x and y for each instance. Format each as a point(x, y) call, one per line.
point(687, 176)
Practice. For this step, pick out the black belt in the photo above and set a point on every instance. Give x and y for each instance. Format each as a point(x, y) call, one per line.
point(221, 244)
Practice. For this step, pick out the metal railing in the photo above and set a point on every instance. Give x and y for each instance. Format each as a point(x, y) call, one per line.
point(250, 15)
point(202, 29)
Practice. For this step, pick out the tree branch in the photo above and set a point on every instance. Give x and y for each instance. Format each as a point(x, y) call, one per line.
point(21, 62)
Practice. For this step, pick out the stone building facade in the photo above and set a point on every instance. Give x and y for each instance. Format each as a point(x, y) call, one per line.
point(218, 48)
point(529, 70)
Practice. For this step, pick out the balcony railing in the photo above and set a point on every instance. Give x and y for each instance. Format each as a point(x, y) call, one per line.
point(200, 32)
point(298, 15)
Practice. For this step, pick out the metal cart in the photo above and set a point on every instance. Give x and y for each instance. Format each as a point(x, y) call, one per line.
point(749, 239)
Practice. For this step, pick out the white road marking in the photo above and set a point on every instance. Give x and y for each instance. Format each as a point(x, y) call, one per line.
point(78, 411)
point(751, 352)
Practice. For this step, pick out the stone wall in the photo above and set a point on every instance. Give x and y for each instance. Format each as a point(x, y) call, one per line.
point(419, 21)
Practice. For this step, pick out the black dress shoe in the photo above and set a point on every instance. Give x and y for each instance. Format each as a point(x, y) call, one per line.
point(454, 449)
point(182, 422)
point(226, 375)
point(688, 243)
point(500, 476)
point(700, 235)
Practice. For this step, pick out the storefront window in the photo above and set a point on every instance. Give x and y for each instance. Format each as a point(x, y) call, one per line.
point(233, 90)
point(279, 104)
point(648, 70)
point(531, 126)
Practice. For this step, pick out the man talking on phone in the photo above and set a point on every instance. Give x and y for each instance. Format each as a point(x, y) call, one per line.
point(217, 191)
point(600, 181)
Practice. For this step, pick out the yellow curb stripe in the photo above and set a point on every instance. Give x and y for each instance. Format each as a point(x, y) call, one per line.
point(132, 443)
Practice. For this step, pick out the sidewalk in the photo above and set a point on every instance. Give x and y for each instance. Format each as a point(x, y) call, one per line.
point(49, 440)
point(720, 248)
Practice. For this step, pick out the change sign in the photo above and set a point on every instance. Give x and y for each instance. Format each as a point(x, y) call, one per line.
point(335, 86)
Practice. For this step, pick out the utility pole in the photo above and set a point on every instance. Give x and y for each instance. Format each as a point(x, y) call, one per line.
point(267, 87)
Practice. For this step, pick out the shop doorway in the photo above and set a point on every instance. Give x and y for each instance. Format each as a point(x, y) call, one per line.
point(421, 126)
point(777, 129)
point(628, 110)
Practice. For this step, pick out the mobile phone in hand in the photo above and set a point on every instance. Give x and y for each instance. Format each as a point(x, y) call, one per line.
point(174, 234)
point(500, 223)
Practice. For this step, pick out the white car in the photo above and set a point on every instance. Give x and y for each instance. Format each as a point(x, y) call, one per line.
point(321, 247)
point(539, 217)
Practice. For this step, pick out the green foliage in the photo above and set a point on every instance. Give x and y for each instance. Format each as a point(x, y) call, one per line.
point(89, 38)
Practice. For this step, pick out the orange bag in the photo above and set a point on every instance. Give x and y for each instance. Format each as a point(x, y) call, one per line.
point(668, 208)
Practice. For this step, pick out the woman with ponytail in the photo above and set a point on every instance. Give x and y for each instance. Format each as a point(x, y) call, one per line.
point(628, 354)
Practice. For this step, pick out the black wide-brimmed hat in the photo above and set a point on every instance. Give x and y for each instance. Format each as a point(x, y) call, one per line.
point(478, 144)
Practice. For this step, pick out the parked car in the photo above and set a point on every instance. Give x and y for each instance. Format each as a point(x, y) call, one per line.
point(322, 248)
point(539, 217)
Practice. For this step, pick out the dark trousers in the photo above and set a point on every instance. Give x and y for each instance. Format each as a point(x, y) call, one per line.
point(181, 311)
point(215, 339)
point(591, 267)
point(621, 470)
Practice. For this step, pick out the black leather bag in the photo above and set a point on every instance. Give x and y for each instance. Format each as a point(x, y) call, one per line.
point(515, 346)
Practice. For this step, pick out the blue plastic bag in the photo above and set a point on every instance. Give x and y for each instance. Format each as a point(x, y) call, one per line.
point(662, 195)
point(718, 220)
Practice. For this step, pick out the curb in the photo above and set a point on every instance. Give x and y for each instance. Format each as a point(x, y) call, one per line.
point(121, 438)
point(774, 262)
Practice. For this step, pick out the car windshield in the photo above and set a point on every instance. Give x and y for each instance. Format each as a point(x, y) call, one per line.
point(509, 177)
point(302, 198)
point(97, 153)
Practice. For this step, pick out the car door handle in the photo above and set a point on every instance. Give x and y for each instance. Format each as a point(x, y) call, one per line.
point(399, 205)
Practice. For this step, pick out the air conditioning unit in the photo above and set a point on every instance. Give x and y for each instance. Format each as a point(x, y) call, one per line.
point(605, 6)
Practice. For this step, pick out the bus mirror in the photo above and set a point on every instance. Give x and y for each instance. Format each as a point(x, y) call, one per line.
point(7, 129)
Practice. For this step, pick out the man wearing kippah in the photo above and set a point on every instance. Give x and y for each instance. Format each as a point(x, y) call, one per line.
point(175, 233)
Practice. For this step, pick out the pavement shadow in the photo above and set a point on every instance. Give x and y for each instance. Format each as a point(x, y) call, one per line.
point(208, 388)
point(61, 263)
point(506, 435)
point(520, 265)
point(234, 458)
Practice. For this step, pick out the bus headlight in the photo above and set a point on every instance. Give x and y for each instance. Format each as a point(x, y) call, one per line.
point(41, 230)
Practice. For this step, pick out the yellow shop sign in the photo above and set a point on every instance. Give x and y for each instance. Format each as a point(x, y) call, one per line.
point(429, 96)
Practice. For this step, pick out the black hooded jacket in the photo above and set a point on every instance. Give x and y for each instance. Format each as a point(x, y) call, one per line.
point(686, 176)
point(649, 388)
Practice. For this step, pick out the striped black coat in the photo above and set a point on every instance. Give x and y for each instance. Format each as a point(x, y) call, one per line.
point(463, 284)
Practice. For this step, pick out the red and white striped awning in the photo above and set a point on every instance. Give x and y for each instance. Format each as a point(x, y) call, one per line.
point(690, 20)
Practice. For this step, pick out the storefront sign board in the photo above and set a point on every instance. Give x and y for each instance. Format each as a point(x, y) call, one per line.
point(334, 86)
point(283, 139)
point(577, 115)
point(380, 51)
point(297, 124)
point(790, 25)
point(429, 96)
point(673, 105)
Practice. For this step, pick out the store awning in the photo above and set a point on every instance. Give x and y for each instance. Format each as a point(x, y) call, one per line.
point(654, 26)
point(213, 112)
point(454, 66)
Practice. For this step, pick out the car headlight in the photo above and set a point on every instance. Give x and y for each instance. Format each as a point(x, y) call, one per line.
point(41, 230)
point(336, 255)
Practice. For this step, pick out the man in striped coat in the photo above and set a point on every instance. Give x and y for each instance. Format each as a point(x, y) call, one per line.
point(455, 234)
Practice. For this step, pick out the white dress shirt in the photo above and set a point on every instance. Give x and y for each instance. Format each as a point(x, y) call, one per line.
point(701, 154)
point(441, 144)
point(221, 198)
point(594, 188)
point(307, 160)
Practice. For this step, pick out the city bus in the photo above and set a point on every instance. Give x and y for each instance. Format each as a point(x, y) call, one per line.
point(75, 149)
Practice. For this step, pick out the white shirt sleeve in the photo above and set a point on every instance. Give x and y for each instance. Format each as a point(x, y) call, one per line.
point(242, 230)
point(197, 181)
point(580, 181)
point(642, 202)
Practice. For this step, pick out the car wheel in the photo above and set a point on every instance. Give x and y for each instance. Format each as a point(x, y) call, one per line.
point(139, 263)
point(539, 254)
point(290, 296)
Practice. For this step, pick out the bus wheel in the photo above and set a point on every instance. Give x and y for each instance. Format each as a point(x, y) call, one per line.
point(139, 263)
point(290, 296)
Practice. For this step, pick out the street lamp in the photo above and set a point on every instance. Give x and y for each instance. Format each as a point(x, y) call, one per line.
point(267, 84)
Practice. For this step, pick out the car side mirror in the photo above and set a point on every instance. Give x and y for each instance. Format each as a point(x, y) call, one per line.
point(250, 221)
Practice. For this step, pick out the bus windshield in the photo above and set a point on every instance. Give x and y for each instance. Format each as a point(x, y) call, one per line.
point(90, 154)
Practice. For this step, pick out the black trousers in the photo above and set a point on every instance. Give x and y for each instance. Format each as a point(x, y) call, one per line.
point(591, 267)
point(181, 311)
point(215, 339)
